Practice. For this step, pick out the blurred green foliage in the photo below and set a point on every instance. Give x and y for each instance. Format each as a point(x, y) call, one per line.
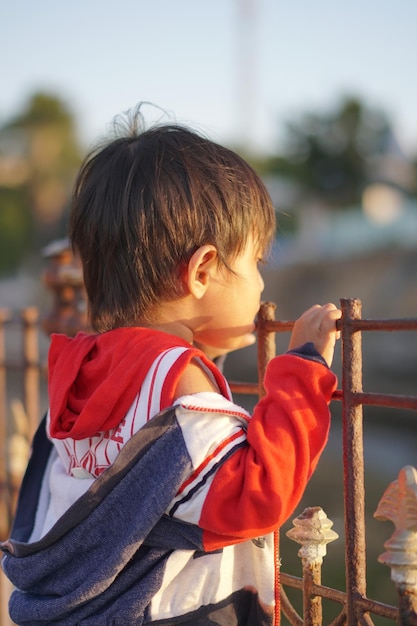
point(333, 156)
point(39, 157)
point(16, 227)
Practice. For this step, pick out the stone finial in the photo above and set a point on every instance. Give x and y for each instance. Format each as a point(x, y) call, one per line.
point(399, 506)
point(64, 279)
point(312, 530)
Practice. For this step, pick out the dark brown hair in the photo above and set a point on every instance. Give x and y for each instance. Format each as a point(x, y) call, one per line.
point(144, 203)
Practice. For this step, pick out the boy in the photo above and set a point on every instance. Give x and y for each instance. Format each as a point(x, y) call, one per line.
point(155, 498)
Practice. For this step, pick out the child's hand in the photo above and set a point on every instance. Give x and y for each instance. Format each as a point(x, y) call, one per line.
point(318, 325)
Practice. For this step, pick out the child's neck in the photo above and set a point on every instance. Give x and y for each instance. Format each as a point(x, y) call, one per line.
point(178, 317)
point(177, 328)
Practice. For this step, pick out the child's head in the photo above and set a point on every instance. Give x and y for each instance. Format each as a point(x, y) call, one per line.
point(145, 202)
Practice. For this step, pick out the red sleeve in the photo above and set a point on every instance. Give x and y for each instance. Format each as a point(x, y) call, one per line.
point(260, 485)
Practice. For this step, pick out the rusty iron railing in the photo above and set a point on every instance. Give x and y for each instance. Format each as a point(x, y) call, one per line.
point(19, 414)
point(356, 606)
point(25, 360)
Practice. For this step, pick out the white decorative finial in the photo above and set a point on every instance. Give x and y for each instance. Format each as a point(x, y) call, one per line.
point(399, 505)
point(312, 530)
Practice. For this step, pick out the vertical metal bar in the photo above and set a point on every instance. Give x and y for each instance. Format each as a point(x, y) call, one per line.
point(30, 317)
point(313, 531)
point(6, 589)
point(266, 351)
point(266, 341)
point(407, 605)
point(4, 487)
point(355, 557)
point(312, 604)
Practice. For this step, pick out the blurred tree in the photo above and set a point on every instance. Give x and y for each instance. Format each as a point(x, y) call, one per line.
point(39, 157)
point(16, 228)
point(328, 155)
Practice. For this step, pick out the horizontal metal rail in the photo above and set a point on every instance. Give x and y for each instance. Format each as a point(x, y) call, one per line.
point(340, 597)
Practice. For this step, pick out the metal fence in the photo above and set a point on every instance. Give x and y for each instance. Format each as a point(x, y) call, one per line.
point(21, 380)
point(312, 529)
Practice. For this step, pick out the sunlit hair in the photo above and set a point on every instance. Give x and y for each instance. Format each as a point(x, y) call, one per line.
point(145, 202)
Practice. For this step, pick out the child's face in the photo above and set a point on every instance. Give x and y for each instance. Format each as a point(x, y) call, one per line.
point(232, 302)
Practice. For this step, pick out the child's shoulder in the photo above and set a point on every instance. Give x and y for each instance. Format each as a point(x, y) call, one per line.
point(195, 379)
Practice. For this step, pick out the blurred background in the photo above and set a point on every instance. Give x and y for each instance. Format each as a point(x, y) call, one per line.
point(320, 97)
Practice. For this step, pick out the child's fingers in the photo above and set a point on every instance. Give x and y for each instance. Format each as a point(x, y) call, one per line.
point(329, 316)
point(336, 315)
point(322, 321)
point(323, 318)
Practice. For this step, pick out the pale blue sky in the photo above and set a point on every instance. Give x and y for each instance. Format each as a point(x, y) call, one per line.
point(104, 56)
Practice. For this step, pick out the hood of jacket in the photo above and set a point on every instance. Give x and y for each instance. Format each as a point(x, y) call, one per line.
point(93, 379)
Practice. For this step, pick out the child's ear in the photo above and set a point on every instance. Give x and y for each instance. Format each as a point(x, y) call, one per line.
point(201, 267)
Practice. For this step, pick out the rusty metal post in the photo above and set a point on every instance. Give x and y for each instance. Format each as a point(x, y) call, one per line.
point(64, 279)
point(266, 341)
point(399, 505)
point(266, 351)
point(313, 531)
point(18, 448)
point(6, 589)
point(355, 557)
point(4, 490)
point(30, 319)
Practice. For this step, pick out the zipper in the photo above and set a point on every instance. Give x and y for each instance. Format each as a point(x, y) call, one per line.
point(277, 586)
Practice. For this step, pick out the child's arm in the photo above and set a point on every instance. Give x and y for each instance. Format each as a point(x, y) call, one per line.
point(256, 488)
